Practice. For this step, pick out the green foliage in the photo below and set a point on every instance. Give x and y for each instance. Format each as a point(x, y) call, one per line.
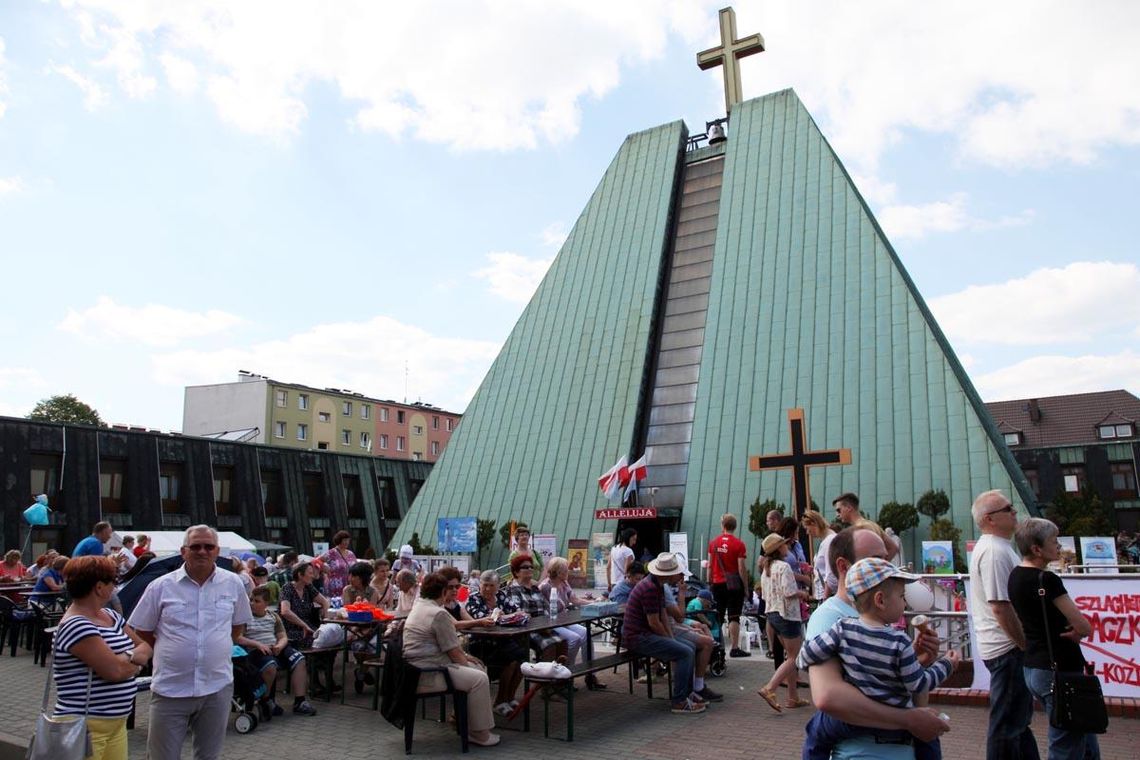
point(1082, 514)
point(484, 534)
point(758, 512)
point(934, 504)
point(418, 548)
point(66, 408)
point(898, 517)
point(945, 530)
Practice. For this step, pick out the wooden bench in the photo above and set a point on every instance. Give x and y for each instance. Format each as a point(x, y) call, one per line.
point(319, 658)
point(565, 687)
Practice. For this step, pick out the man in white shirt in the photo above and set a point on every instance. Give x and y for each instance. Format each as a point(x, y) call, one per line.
point(192, 617)
point(998, 638)
point(124, 555)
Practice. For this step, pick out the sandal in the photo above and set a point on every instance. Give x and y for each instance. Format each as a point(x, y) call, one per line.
point(798, 702)
point(490, 741)
point(770, 698)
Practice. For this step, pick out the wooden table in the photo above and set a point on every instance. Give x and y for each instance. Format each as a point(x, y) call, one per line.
point(376, 626)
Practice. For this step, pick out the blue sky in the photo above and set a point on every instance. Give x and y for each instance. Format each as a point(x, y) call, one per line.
point(329, 194)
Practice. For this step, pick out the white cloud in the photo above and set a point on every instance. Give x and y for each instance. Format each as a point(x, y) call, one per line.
point(473, 75)
point(1078, 302)
point(513, 277)
point(1059, 375)
point(94, 96)
point(367, 357)
point(125, 58)
point(20, 377)
point(181, 74)
point(10, 185)
point(152, 325)
point(902, 221)
point(554, 235)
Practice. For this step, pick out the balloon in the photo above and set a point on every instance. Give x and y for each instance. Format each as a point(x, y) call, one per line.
point(918, 596)
point(37, 514)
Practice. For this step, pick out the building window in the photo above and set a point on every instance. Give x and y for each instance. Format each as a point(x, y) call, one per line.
point(278, 429)
point(302, 431)
point(383, 414)
point(223, 481)
point(353, 499)
point(450, 422)
point(324, 417)
point(282, 398)
point(169, 481)
point(1107, 432)
point(346, 437)
point(111, 475)
point(418, 429)
point(1013, 439)
point(314, 495)
point(302, 401)
point(346, 408)
point(417, 456)
point(365, 441)
point(399, 417)
point(383, 441)
point(435, 448)
point(1123, 480)
point(1034, 484)
point(400, 443)
point(435, 422)
point(365, 411)
point(1074, 478)
point(271, 498)
point(45, 475)
point(322, 446)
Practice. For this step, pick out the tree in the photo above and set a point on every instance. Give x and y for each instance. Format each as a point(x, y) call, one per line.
point(66, 408)
point(484, 534)
point(1082, 514)
point(934, 504)
point(418, 548)
point(758, 513)
point(898, 517)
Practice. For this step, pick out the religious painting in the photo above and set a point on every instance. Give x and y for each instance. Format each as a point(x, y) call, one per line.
point(578, 554)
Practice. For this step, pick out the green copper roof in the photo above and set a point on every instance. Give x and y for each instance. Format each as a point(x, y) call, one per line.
point(559, 404)
point(812, 308)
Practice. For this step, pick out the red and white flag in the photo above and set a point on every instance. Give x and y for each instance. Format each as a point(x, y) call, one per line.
point(635, 473)
point(614, 478)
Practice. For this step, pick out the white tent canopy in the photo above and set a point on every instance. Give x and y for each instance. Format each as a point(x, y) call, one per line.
point(166, 542)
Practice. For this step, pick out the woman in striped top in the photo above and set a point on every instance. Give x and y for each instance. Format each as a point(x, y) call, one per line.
point(93, 645)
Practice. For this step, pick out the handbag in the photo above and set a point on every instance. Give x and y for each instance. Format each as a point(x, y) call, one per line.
point(732, 581)
point(1078, 702)
point(61, 737)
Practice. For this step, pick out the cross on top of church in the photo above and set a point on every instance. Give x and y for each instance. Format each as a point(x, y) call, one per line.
point(799, 460)
point(728, 55)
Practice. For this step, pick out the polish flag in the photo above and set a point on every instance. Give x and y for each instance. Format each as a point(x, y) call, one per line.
point(635, 473)
point(611, 482)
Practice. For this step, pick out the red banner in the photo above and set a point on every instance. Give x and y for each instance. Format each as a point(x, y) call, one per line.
point(626, 513)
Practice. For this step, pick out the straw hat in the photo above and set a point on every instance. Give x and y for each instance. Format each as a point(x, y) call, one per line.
point(665, 565)
point(771, 542)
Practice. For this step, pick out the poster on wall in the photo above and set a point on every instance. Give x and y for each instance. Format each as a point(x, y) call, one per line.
point(578, 555)
point(600, 545)
point(456, 534)
point(679, 546)
point(546, 545)
point(938, 557)
point(320, 547)
point(1112, 606)
point(1099, 550)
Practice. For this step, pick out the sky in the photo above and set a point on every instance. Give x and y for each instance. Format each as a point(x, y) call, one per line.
point(365, 195)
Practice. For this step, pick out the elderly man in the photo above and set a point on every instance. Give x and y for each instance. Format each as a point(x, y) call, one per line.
point(843, 700)
point(646, 631)
point(192, 617)
point(95, 545)
point(773, 520)
point(999, 640)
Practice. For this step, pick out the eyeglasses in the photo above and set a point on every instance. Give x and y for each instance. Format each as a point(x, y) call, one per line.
point(526, 567)
point(1006, 508)
point(201, 547)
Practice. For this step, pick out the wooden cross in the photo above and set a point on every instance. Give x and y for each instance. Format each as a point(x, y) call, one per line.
point(728, 54)
point(799, 460)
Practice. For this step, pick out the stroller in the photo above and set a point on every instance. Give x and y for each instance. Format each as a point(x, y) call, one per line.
point(695, 610)
point(248, 689)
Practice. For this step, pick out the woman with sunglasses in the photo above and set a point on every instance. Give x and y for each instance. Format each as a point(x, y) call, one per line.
point(503, 656)
point(527, 596)
point(93, 646)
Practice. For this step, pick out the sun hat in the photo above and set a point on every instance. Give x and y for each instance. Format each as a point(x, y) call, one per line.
point(666, 564)
point(406, 551)
point(865, 574)
point(771, 542)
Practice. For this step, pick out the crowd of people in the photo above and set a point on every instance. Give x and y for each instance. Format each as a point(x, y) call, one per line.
point(836, 621)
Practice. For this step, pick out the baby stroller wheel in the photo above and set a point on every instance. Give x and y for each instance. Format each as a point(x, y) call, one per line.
point(717, 667)
point(245, 722)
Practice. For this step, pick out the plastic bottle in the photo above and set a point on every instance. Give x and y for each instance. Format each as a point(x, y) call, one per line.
point(553, 603)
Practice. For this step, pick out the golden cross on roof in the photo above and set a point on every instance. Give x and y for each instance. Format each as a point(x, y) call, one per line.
point(727, 54)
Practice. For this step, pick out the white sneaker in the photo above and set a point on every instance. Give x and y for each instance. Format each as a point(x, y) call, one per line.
point(503, 708)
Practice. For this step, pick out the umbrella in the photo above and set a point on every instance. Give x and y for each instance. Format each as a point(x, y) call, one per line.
point(131, 591)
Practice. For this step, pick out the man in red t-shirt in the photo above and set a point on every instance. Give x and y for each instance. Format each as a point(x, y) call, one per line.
point(729, 576)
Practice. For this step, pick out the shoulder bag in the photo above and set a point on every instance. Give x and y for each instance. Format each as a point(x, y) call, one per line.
point(1078, 702)
point(732, 580)
point(60, 737)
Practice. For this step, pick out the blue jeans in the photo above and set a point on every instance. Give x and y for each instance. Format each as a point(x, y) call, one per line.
point(674, 651)
point(824, 732)
point(1063, 745)
point(1011, 710)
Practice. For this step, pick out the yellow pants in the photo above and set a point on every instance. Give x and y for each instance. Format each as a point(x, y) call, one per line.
point(108, 738)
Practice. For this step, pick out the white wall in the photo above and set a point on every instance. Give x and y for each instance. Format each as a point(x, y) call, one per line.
point(208, 409)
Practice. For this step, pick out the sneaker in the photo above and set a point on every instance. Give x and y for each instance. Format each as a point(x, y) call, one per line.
point(696, 697)
point(304, 708)
point(503, 708)
point(274, 708)
point(688, 707)
point(738, 652)
point(709, 695)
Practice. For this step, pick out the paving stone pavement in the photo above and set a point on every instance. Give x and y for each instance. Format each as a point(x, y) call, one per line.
point(612, 723)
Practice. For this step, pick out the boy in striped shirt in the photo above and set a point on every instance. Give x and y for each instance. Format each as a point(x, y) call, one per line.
point(877, 658)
